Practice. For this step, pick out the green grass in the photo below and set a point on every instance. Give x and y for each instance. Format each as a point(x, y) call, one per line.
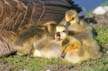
point(102, 36)
point(18, 63)
point(97, 65)
point(29, 63)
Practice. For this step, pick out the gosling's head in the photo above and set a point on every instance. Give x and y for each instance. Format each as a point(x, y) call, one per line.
point(71, 17)
point(61, 32)
point(50, 27)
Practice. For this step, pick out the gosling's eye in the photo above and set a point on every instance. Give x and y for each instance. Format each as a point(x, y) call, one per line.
point(73, 18)
point(64, 31)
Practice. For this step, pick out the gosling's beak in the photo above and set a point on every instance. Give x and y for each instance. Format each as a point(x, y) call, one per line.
point(58, 34)
point(67, 24)
point(63, 54)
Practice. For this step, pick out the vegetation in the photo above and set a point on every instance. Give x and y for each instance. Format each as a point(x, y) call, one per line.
point(102, 36)
point(18, 63)
point(97, 65)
